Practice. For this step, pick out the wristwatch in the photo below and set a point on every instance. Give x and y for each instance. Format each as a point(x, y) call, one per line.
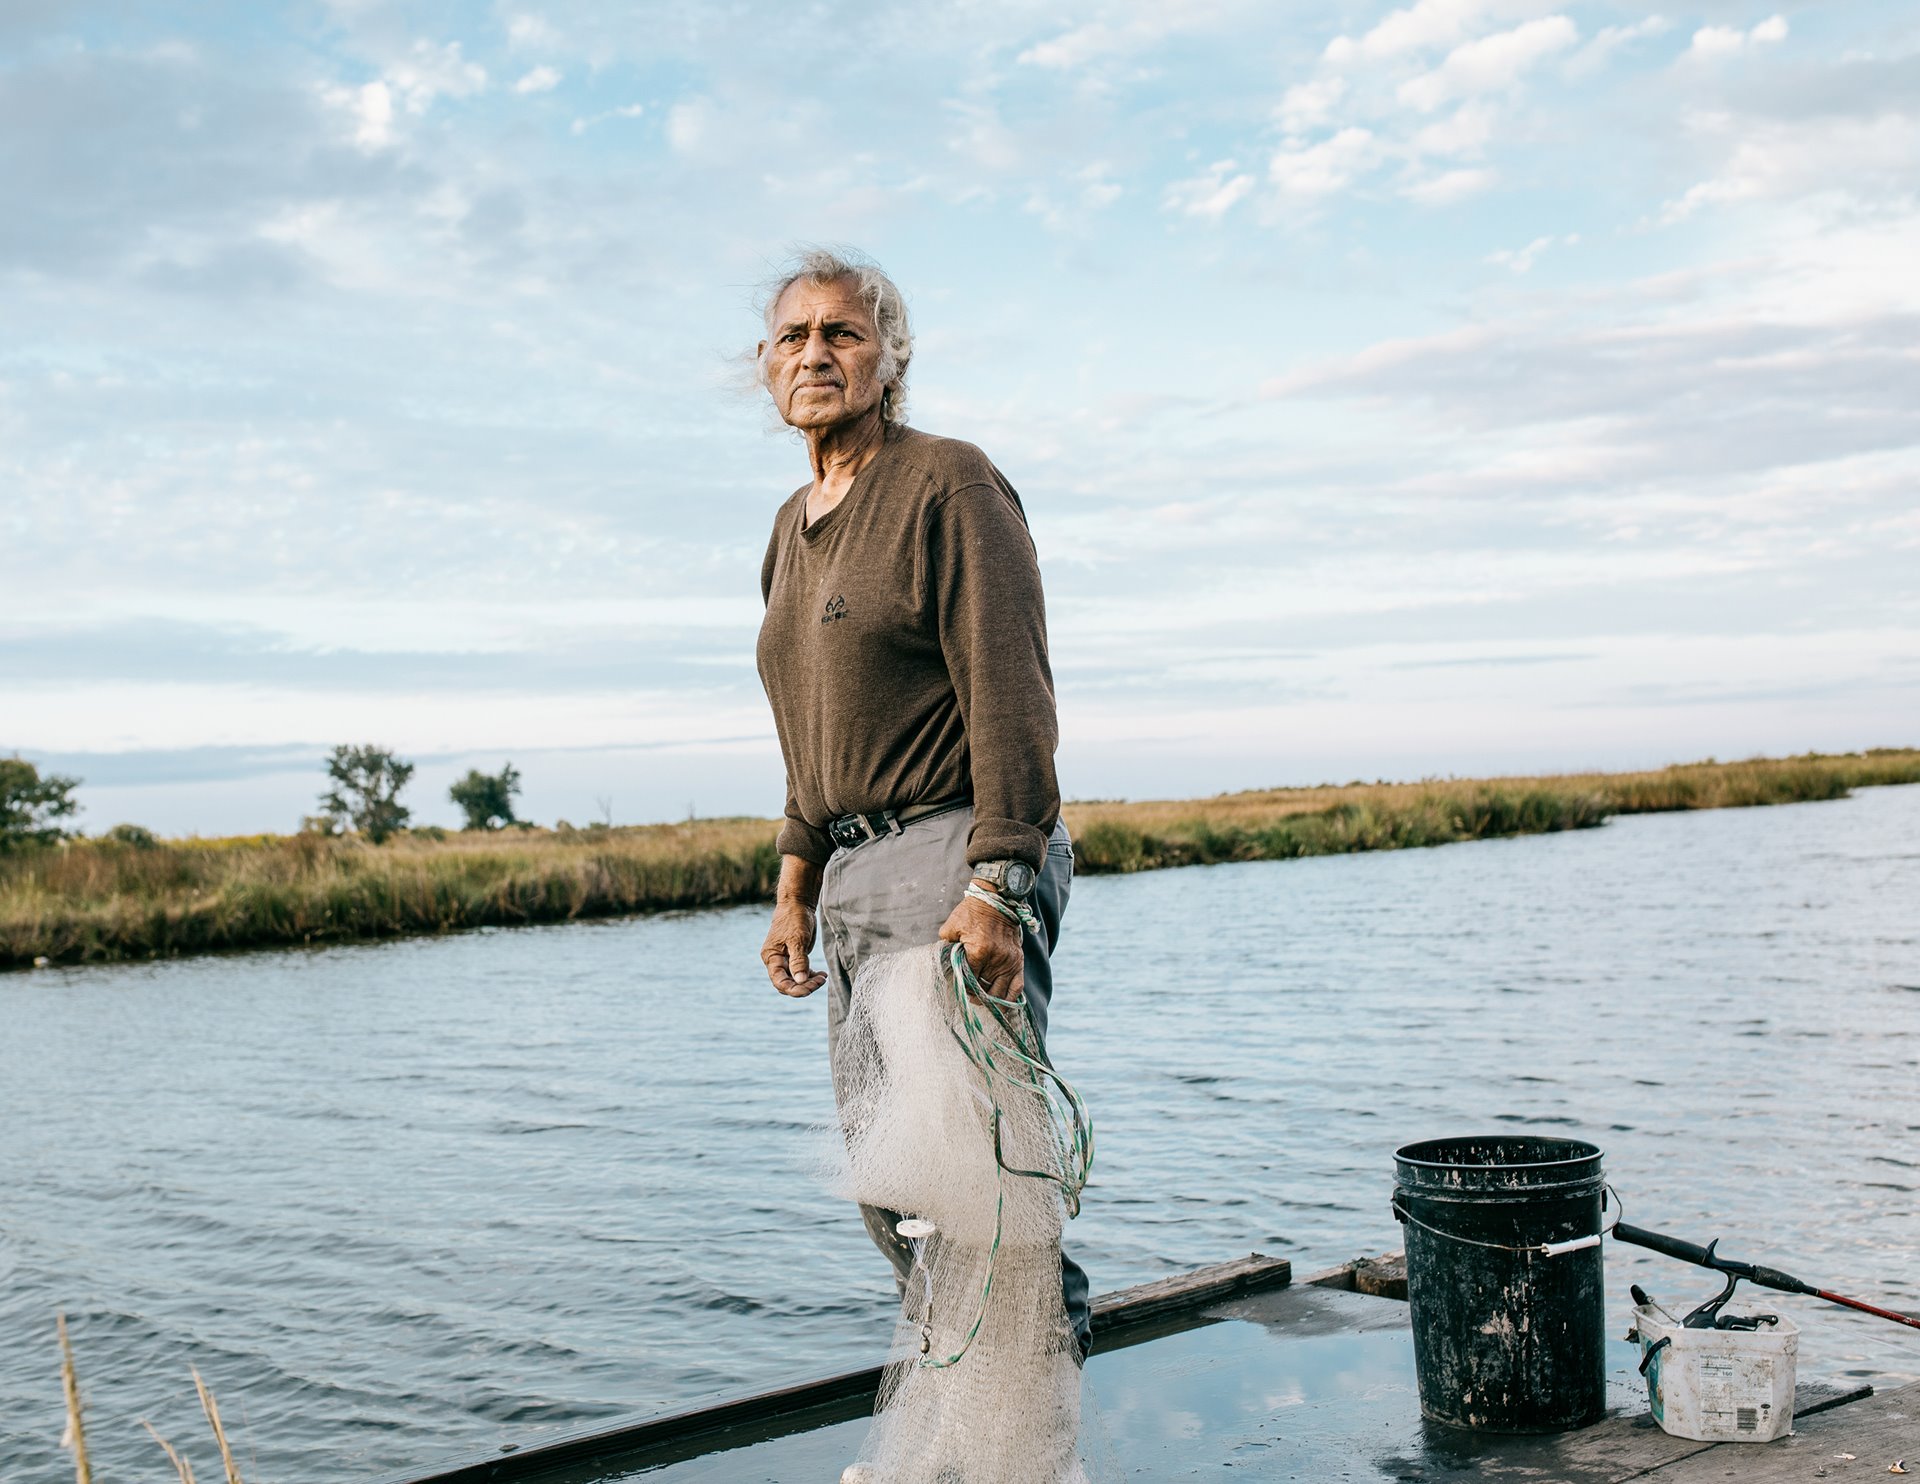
point(1012, 879)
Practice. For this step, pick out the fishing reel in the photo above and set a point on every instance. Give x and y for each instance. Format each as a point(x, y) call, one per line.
point(1708, 1315)
point(1704, 1316)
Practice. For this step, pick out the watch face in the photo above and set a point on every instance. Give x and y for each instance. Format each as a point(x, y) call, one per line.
point(1019, 878)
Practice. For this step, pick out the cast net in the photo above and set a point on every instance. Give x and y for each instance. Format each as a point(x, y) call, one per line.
point(955, 1121)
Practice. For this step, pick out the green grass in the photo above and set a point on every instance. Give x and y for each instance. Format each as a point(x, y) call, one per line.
point(92, 901)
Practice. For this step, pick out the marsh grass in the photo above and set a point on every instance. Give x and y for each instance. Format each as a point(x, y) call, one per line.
point(1285, 823)
point(97, 900)
point(107, 899)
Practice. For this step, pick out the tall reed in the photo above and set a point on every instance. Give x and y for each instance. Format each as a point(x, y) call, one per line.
point(102, 900)
point(75, 1437)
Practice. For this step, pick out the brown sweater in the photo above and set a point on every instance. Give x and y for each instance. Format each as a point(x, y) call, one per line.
point(904, 651)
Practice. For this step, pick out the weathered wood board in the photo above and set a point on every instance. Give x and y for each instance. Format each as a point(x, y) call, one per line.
point(1879, 1432)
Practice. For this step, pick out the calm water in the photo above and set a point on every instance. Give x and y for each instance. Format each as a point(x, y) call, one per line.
point(405, 1201)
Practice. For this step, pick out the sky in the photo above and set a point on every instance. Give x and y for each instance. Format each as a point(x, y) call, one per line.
point(1470, 386)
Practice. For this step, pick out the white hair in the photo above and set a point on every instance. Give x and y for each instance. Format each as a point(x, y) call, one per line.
point(821, 266)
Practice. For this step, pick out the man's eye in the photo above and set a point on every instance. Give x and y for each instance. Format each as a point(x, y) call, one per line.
point(790, 338)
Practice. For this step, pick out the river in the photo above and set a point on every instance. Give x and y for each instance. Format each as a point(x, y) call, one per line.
point(404, 1201)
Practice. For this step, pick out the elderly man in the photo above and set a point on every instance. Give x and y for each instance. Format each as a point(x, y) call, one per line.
point(904, 652)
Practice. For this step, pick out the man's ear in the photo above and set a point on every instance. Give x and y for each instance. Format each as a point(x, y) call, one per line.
point(760, 354)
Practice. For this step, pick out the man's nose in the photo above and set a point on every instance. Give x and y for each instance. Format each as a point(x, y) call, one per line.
point(815, 353)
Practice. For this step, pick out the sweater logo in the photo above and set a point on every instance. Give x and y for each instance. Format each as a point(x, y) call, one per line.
point(836, 609)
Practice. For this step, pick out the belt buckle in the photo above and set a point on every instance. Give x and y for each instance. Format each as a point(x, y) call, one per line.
point(852, 830)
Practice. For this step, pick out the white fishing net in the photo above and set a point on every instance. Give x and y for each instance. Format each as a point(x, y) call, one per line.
point(982, 1384)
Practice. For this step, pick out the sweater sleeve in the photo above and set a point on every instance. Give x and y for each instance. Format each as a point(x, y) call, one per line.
point(798, 837)
point(984, 581)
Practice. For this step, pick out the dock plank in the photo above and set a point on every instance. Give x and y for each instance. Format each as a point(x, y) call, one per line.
point(1878, 1432)
point(1624, 1446)
point(1125, 1317)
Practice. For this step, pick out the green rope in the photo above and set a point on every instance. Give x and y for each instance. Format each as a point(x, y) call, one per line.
point(1028, 1069)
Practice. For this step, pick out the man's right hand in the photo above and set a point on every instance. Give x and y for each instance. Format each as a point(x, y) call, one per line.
point(785, 951)
point(791, 937)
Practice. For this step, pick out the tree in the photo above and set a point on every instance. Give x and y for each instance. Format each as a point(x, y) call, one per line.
point(366, 787)
point(487, 798)
point(29, 804)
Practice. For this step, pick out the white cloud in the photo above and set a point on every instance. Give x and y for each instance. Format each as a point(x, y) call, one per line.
point(1382, 356)
point(370, 107)
point(1451, 186)
point(1096, 40)
point(1868, 159)
point(539, 80)
point(983, 140)
point(1073, 48)
point(1490, 64)
point(1464, 132)
point(1710, 42)
point(689, 123)
point(1323, 168)
point(1090, 189)
point(1425, 26)
point(1714, 41)
point(430, 72)
point(1610, 39)
point(1097, 188)
point(530, 30)
point(1521, 260)
point(1212, 194)
point(629, 111)
point(1310, 103)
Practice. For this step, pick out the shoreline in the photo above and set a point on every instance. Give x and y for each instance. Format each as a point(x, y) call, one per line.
point(100, 901)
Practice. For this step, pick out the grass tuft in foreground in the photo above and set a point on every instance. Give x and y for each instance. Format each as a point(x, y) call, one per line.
point(108, 899)
point(75, 1438)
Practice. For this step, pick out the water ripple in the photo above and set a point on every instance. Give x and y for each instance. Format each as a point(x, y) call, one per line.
point(405, 1201)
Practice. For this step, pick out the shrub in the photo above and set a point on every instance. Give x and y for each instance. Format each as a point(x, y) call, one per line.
point(487, 798)
point(30, 804)
point(366, 790)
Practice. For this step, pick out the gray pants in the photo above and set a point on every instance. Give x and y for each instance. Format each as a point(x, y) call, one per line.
point(894, 893)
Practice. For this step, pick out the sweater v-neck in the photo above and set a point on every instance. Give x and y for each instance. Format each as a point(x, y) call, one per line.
point(813, 530)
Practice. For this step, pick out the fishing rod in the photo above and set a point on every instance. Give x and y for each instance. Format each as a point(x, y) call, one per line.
point(1707, 1316)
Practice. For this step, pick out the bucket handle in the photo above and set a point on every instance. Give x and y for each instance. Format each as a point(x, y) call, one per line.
point(1538, 1249)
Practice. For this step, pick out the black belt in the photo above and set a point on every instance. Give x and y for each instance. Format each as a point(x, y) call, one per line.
point(850, 830)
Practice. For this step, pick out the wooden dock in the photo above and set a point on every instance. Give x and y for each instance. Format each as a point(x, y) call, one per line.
point(1237, 1367)
point(1851, 1434)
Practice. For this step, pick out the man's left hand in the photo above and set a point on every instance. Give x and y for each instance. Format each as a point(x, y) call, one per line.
point(993, 947)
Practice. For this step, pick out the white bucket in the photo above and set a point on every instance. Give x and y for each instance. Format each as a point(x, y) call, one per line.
point(1719, 1385)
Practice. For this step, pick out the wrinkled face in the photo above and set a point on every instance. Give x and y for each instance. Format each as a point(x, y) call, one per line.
point(823, 362)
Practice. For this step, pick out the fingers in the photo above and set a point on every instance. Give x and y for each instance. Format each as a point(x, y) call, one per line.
point(785, 952)
point(1007, 984)
point(992, 946)
point(1001, 974)
point(788, 970)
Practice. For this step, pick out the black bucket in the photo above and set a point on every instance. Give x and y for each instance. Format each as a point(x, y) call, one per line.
point(1506, 1338)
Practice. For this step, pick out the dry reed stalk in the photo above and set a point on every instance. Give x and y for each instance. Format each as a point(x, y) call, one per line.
point(76, 1436)
point(219, 1433)
point(181, 1468)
